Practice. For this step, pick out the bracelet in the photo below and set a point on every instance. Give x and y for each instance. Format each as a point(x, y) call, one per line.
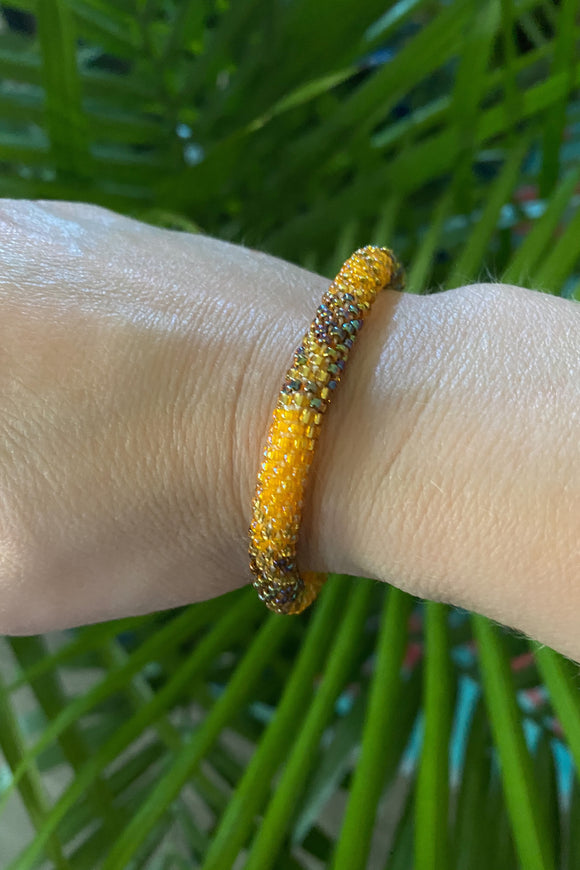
point(306, 393)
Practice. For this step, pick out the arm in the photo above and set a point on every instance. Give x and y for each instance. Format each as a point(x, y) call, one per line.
point(138, 371)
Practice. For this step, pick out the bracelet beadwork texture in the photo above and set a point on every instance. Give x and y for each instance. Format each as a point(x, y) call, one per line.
point(310, 382)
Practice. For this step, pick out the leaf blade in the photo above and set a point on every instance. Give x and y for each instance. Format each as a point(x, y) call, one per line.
point(522, 799)
point(66, 121)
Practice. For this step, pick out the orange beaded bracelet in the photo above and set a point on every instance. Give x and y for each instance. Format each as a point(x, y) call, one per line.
point(306, 393)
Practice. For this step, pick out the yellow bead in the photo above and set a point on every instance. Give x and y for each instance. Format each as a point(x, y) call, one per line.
point(277, 505)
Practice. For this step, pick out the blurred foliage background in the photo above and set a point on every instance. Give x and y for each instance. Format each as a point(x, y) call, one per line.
point(374, 730)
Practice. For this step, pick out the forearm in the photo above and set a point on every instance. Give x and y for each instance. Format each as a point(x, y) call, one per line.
point(139, 372)
point(123, 379)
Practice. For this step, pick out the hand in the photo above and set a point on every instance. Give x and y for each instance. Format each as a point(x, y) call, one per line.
point(139, 371)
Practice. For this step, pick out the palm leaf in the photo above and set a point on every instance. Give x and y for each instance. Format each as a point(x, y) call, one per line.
point(254, 788)
point(382, 711)
point(523, 799)
point(432, 796)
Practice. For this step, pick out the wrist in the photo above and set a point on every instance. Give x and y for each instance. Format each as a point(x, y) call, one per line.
point(465, 482)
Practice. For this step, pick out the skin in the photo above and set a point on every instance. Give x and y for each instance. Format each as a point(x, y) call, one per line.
point(138, 371)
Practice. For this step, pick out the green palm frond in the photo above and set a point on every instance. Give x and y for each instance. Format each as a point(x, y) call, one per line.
point(373, 731)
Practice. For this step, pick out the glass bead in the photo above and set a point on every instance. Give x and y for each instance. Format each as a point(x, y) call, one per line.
point(277, 505)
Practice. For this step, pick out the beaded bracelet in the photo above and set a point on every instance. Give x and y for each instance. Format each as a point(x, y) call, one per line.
point(306, 393)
